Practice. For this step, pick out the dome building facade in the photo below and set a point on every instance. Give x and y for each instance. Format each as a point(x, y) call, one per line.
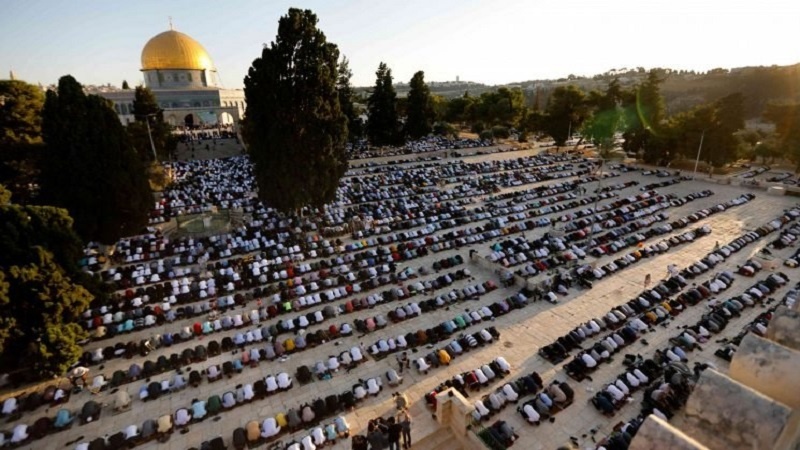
point(185, 82)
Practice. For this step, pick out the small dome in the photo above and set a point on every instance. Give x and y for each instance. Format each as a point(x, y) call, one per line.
point(175, 50)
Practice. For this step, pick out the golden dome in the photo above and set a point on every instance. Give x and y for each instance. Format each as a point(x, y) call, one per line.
point(174, 50)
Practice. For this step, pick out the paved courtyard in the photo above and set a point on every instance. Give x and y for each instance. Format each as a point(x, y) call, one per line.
point(523, 332)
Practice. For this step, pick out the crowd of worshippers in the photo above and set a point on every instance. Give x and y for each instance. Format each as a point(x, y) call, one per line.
point(266, 229)
point(757, 326)
point(669, 380)
point(134, 312)
point(362, 149)
point(279, 277)
point(554, 251)
point(200, 185)
point(227, 183)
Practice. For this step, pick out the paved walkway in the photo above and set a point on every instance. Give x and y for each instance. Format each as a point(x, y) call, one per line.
point(523, 332)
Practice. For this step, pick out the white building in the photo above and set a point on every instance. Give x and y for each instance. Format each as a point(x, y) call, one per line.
point(185, 83)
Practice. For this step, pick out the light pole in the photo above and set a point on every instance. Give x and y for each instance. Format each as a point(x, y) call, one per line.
point(697, 159)
point(150, 135)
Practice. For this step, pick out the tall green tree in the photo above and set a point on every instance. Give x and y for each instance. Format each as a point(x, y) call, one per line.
point(720, 137)
point(40, 304)
point(296, 130)
point(20, 137)
point(20, 113)
point(644, 116)
point(786, 118)
point(383, 125)
point(566, 111)
point(420, 116)
point(501, 107)
point(347, 96)
point(606, 117)
point(91, 168)
point(460, 109)
point(125, 85)
point(146, 109)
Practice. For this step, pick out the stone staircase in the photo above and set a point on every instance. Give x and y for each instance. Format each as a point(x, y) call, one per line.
point(755, 406)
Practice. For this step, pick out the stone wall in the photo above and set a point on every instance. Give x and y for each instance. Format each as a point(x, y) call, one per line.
point(769, 368)
point(455, 413)
point(784, 326)
point(727, 415)
point(656, 434)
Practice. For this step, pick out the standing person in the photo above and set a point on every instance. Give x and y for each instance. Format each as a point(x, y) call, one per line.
point(404, 419)
point(400, 400)
point(646, 280)
point(376, 439)
point(394, 434)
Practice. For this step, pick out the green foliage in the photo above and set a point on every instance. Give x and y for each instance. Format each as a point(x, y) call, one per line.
point(355, 126)
point(486, 135)
point(146, 109)
point(445, 129)
point(20, 113)
point(643, 117)
point(501, 107)
point(606, 118)
point(383, 125)
point(296, 130)
point(786, 117)
point(459, 109)
point(566, 112)
point(420, 115)
point(91, 168)
point(499, 132)
point(438, 107)
point(5, 196)
point(40, 302)
point(477, 127)
point(125, 85)
point(523, 137)
point(40, 306)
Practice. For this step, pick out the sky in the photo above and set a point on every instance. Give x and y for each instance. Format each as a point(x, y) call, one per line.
point(492, 42)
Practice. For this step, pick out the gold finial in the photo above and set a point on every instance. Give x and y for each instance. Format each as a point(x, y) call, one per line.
point(170, 23)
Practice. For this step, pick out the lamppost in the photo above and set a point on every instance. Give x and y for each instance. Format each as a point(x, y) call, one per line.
point(150, 135)
point(697, 159)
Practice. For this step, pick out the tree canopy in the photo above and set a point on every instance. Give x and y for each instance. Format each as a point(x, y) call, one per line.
point(606, 117)
point(383, 125)
point(145, 108)
point(644, 117)
point(295, 129)
point(501, 107)
point(20, 113)
point(20, 137)
point(40, 304)
point(565, 113)
point(420, 114)
point(786, 117)
point(91, 169)
point(347, 95)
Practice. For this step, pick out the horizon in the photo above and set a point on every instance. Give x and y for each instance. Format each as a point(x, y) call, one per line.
point(473, 40)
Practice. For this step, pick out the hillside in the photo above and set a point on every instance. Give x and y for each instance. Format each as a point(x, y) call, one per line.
point(681, 89)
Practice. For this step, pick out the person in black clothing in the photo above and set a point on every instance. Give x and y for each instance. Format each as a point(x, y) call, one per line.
point(376, 435)
point(394, 434)
point(404, 420)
